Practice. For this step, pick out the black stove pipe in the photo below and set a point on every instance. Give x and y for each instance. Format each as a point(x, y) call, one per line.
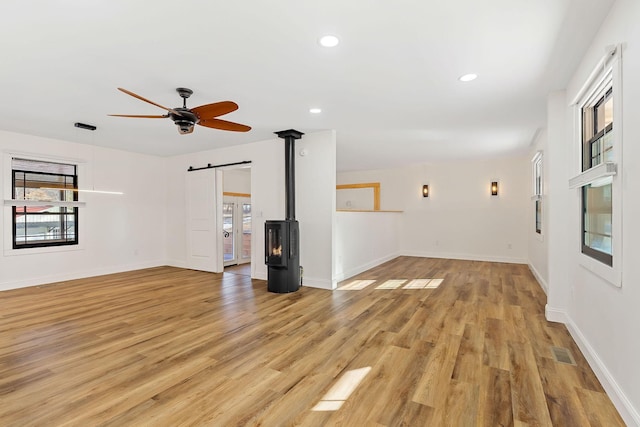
point(289, 137)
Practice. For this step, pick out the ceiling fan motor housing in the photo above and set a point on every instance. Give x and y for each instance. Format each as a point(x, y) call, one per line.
point(185, 121)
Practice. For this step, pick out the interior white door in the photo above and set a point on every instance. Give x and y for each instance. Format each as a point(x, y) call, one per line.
point(203, 190)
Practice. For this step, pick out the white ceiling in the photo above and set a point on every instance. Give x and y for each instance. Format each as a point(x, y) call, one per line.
point(390, 89)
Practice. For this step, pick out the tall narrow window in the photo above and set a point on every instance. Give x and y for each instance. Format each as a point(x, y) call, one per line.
point(44, 186)
point(598, 113)
point(597, 200)
point(599, 160)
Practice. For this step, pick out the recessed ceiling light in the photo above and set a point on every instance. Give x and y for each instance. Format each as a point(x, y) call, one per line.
point(315, 110)
point(329, 41)
point(468, 77)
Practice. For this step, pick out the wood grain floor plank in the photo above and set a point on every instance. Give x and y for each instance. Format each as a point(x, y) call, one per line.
point(527, 392)
point(495, 407)
point(172, 347)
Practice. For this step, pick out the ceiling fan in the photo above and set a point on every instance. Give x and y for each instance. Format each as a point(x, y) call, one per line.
point(186, 118)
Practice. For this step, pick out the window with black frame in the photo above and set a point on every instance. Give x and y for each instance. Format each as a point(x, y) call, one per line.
point(597, 201)
point(44, 220)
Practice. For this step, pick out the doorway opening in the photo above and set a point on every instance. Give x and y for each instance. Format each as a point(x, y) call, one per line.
point(237, 220)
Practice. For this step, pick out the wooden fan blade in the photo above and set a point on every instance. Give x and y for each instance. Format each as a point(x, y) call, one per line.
point(209, 111)
point(138, 116)
point(224, 125)
point(135, 95)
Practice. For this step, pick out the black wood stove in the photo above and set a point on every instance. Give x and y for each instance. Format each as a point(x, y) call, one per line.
point(282, 238)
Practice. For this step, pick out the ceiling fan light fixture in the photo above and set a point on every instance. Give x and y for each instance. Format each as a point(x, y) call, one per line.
point(329, 41)
point(468, 77)
point(186, 118)
point(184, 126)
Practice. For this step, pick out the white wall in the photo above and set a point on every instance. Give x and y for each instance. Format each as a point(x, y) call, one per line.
point(237, 180)
point(460, 219)
point(315, 199)
point(316, 206)
point(365, 240)
point(117, 233)
point(603, 319)
point(355, 198)
point(538, 243)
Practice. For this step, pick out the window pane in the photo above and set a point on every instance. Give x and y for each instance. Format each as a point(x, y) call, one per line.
point(246, 230)
point(44, 227)
point(607, 146)
point(40, 166)
point(604, 113)
point(595, 153)
point(597, 129)
point(227, 230)
point(597, 204)
point(246, 218)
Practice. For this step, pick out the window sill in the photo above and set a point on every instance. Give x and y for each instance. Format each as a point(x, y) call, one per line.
point(587, 177)
point(44, 250)
point(611, 275)
point(56, 203)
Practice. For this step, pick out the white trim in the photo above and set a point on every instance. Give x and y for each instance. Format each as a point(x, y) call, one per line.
point(465, 257)
point(622, 403)
point(313, 282)
point(82, 274)
point(557, 315)
point(610, 54)
point(53, 203)
point(43, 158)
point(363, 267)
point(609, 274)
point(539, 279)
point(593, 174)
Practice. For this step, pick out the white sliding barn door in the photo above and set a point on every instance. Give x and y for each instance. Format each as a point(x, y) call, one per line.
point(204, 220)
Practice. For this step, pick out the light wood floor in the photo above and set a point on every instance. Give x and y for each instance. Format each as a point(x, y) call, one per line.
point(172, 347)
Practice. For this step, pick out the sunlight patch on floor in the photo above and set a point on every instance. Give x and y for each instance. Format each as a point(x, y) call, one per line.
point(392, 284)
point(356, 285)
point(434, 284)
point(341, 390)
point(423, 284)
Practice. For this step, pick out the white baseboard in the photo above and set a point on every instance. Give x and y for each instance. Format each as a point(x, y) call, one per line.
point(362, 268)
point(465, 257)
point(624, 406)
point(177, 263)
point(541, 281)
point(82, 274)
point(555, 315)
point(316, 283)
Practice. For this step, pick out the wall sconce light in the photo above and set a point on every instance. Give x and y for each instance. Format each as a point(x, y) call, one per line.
point(494, 188)
point(425, 190)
